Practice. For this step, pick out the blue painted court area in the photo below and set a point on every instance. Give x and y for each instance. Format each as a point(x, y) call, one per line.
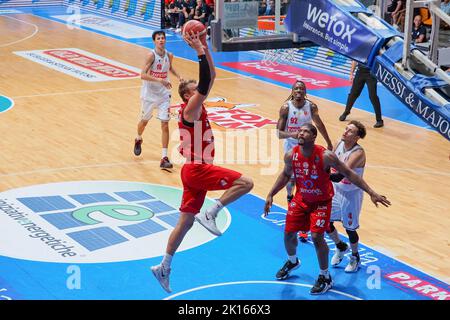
point(240, 265)
point(391, 107)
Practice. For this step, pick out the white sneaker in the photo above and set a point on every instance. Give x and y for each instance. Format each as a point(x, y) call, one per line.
point(353, 265)
point(162, 275)
point(338, 256)
point(208, 222)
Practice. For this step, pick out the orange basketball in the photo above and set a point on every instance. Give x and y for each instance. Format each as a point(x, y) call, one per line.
point(195, 26)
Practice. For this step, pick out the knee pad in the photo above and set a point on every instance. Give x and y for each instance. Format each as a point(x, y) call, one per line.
point(352, 236)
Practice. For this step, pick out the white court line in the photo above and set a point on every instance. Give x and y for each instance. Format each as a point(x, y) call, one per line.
point(36, 30)
point(74, 92)
point(257, 282)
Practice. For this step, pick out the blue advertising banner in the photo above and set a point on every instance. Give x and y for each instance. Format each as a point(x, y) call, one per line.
point(435, 116)
point(327, 25)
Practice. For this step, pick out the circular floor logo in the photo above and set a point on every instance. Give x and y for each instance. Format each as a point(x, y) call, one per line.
point(94, 221)
point(5, 103)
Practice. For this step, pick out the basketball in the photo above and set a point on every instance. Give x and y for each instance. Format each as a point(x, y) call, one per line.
point(195, 26)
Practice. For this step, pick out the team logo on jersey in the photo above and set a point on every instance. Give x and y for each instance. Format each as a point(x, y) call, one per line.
point(93, 221)
point(308, 184)
point(227, 115)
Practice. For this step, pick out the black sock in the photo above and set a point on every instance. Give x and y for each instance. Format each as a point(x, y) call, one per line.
point(341, 246)
point(356, 255)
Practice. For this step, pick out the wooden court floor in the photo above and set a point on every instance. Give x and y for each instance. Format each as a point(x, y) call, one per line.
point(65, 129)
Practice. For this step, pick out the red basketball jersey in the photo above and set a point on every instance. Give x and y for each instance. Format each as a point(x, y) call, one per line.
point(197, 141)
point(312, 181)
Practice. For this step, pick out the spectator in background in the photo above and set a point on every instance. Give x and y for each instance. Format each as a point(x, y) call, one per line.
point(201, 12)
point(399, 10)
point(174, 11)
point(262, 7)
point(186, 13)
point(284, 7)
point(270, 9)
point(418, 32)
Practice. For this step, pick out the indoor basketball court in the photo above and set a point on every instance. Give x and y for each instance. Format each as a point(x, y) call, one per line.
point(69, 107)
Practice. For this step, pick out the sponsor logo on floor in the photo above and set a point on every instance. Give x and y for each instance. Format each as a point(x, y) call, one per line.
point(227, 115)
point(93, 221)
point(81, 64)
point(288, 74)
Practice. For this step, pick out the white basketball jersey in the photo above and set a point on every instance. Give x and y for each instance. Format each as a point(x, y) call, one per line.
point(159, 69)
point(297, 117)
point(343, 155)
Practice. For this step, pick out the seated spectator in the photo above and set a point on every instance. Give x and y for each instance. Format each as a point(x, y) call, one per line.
point(398, 13)
point(186, 13)
point(201, 12)
point(419, 32)
point(262, 7)
point(174, 10)
point(270, 9)
point(284, 7)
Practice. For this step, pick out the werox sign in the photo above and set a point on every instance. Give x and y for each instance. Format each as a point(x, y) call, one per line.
point(325, 24)
point(93, 221)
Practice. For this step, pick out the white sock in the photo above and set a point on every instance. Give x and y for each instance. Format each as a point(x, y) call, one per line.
point(325, 273)
point(139, 137)
point(167, 260)
point(214, 209)
point(164, 152)
point(293, 259)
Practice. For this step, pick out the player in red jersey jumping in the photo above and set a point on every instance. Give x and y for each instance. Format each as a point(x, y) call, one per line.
point(198, 174)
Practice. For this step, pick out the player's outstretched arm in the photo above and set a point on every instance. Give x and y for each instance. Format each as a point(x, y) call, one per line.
point(330, 159)
point(193, 108)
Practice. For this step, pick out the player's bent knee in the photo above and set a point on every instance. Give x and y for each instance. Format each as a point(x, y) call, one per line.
point(352, 236)
point(317, 237)
point(245, 182)
point(248, 183)
point(332, 228)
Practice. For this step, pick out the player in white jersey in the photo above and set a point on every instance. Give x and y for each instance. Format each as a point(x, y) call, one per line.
point(347, 200)
point(295, 112)
point(155, 92)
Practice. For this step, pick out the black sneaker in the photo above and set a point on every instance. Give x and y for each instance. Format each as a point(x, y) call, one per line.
point(344, 116)
point(322, 285)
point(290, 197)
point(379, 124)
point(283, 273)
point(137, 147)
point(165, 163)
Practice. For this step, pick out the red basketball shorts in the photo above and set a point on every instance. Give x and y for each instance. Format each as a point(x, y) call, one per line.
point(198, 179)
point(302, 216)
